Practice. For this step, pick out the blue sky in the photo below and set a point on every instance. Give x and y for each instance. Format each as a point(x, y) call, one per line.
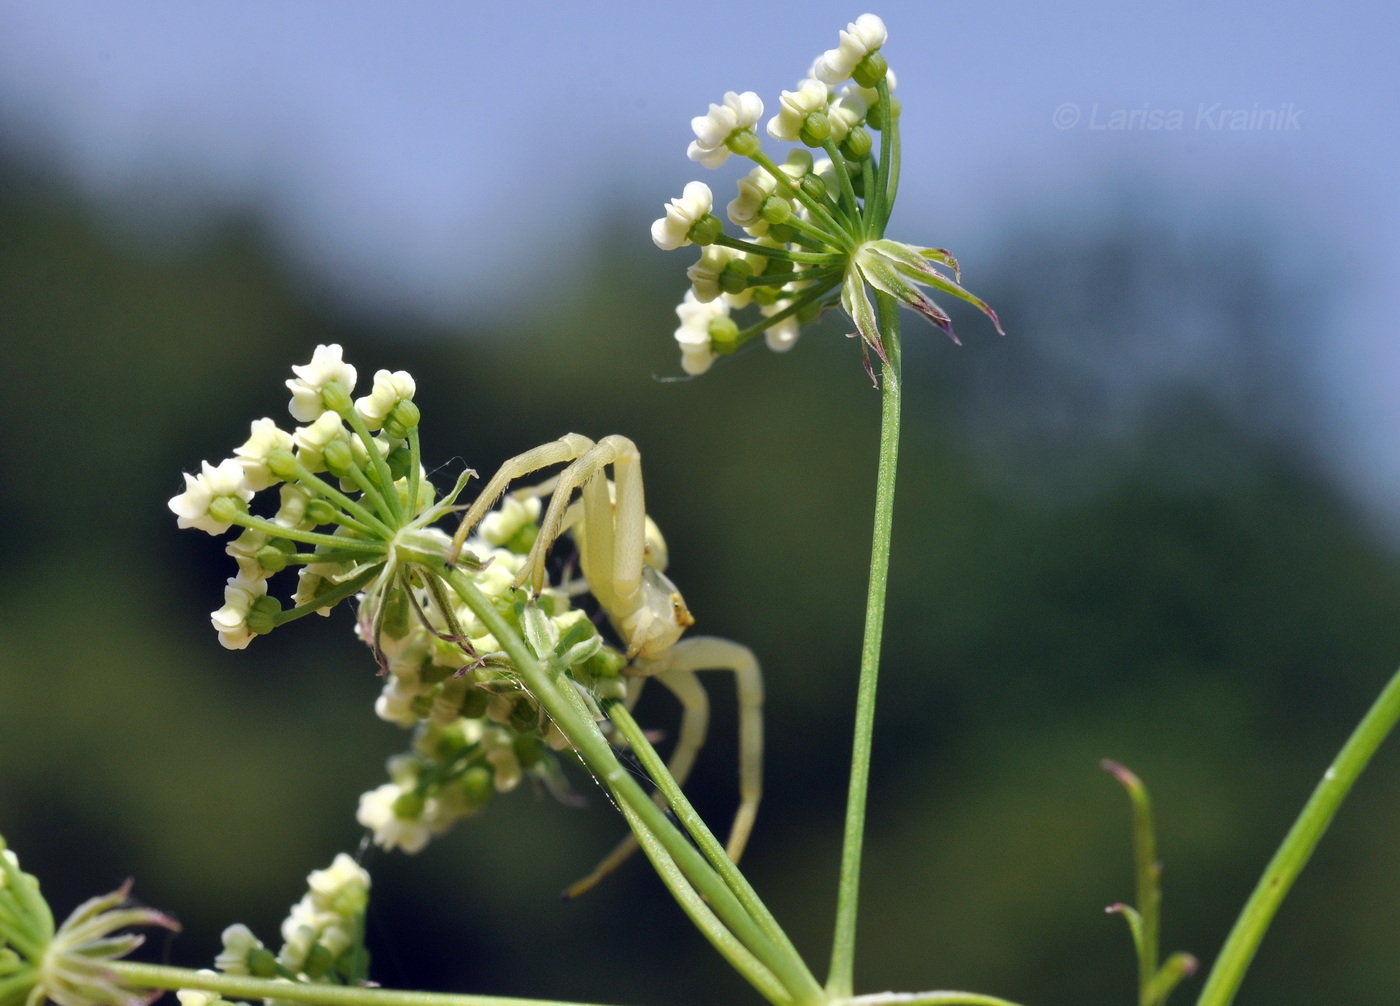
point(418, 155)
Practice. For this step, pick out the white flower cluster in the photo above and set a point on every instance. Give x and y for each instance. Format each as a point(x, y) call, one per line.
point(322, 935)
point(790, 219)
point(219, 496)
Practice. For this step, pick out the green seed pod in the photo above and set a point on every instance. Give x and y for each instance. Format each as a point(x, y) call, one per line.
point(870, 70)
point(398, 460)
point(282, 463)
point(775, 209)
point(815, 128)
point(339, 458)
point(734, 277)
point(706, 229)
point(765, 295)
point(408, 806)
point(723, 332)
point(743, 142)
point(814, 186)
point(401, 418)
point(318, 961)
point(477, 785)
point(272, 558)
point(335, 397)
point(474, 703)
point(225, 508)
point(262, 614)
point(857, 144)
point(262, 963)
point(529, 749)
point(320, 512)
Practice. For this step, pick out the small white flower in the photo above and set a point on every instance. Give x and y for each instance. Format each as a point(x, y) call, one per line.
point(712, 131)
point(389, 390)
point(196, 997)
point(861, 37)
point(311, 440)
point(754, 190)
point(264, 437)
point(292, 511)
point(239, 942)
point(693, 335)
point(376, 813)
point(244, 549)
point(704, 274)
point(191, 507)
point(845, 113)
point(231, 621)
point(672, 231)
point(794, 107)
point(342, 888)
point(326, 366)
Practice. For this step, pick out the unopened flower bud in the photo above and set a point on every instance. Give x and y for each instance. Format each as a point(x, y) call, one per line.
point(857, 144)
point(705, 230)
point(870, 70)
point(815, 128)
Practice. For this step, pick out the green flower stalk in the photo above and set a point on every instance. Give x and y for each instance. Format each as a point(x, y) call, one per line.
point(815, 229)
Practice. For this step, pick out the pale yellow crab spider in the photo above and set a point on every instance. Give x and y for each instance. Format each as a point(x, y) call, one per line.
point(621, 556)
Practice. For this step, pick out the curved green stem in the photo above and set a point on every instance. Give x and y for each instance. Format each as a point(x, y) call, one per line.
point(818, 291)
point(843, 176)
point(692, 822)
point(160, 976)
point(839, 981)
point(887, 180)
point(596, 753)
point(366, 547)
point(1244, 939)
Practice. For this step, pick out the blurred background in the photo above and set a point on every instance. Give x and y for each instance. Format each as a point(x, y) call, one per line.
point(1156, 522)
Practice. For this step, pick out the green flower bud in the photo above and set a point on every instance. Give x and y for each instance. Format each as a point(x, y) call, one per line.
point(814, 186)
point(706, 229)
point(782, 233)
point(857, 144)
point(765, 295)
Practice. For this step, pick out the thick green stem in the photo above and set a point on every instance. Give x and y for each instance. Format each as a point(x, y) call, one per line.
point(597, 755)
point(699, 913)
point(692, 822)
point(840, 980)
point(1293, 854)
point(159, 976)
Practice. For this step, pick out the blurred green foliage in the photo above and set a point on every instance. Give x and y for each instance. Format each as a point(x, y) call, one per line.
point(1187, 599)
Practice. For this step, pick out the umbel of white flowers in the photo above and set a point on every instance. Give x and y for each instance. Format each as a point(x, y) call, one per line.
point(814, 227)
point(352, 518)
